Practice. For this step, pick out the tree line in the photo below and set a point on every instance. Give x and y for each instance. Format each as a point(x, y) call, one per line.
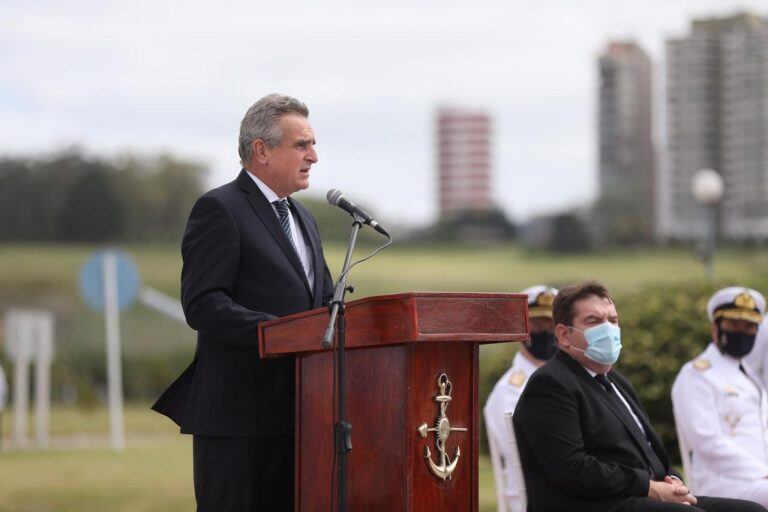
point(71, 196)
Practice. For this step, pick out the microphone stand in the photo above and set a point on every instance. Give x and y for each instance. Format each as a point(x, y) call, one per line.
point(337, 323)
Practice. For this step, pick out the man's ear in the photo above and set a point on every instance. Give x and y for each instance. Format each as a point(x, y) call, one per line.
point(561, 333)
point(713, 332)
point(260, 151)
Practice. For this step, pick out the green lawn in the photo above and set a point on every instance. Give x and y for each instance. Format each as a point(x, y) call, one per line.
point(80, 473)
point(47, 276)
point(28, 270)
point(154, 473)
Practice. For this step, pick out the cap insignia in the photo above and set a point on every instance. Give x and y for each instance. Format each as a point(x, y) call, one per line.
point(744, 301)
point(545, 299)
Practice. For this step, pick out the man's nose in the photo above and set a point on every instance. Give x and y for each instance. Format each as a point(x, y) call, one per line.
point(312, 155)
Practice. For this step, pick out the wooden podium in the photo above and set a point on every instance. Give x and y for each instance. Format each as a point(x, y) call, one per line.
point(412, 377)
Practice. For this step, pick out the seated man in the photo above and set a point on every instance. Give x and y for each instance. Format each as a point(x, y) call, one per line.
point(721, 407)
point(585, 442)
point(503, 399)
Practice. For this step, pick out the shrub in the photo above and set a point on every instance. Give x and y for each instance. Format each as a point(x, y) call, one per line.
point(662, 327)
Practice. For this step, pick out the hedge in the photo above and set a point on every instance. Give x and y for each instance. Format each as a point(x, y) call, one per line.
point(662, 327)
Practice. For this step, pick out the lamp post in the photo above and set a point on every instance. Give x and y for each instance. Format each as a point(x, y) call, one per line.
point(707, 187)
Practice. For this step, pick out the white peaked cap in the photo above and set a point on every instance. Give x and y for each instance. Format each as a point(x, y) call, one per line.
point(736, 303)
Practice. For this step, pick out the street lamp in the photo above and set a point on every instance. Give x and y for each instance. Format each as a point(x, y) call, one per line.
point(707, 187)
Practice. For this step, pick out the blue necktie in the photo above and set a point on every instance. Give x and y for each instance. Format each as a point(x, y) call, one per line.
point(281, 205)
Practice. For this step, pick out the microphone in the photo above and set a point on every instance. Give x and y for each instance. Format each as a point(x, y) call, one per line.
point(335, 197)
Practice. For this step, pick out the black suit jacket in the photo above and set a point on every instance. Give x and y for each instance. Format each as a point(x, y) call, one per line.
point(578, 449)
point(240, 269)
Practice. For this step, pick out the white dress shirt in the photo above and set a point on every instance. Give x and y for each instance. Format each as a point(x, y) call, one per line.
point(623, 400)
point(298, 238)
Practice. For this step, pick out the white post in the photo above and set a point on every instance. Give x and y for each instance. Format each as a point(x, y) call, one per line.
point(114, 377)
point(44, 356)
point(162, 303)
point(20, 340)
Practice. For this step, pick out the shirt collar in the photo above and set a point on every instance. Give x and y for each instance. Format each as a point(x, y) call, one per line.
point(523, 363)
point(713, 353)
point(268, 192)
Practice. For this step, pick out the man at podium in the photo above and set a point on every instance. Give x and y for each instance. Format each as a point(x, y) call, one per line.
point(250, 253)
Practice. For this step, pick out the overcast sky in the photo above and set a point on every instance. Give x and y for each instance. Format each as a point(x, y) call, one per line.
point(120, 75)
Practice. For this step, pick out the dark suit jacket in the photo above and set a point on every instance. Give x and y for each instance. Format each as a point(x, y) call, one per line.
point(240, 269)
point(578, 450)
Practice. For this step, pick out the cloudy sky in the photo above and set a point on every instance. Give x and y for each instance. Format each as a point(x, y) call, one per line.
point(120, 75)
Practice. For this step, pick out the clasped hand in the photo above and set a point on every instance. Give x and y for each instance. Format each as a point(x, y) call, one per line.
point(671, 490)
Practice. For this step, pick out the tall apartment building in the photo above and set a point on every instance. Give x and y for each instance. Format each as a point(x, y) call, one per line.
point(464, 161)
point(625, 207)
point(717, 118)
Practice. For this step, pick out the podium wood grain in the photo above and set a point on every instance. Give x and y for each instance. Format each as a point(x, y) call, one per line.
point(398, 345)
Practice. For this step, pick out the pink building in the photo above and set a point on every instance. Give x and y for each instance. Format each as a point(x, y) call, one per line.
point(464, 161)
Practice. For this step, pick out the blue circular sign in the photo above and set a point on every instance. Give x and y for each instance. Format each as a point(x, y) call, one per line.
point(92, 279)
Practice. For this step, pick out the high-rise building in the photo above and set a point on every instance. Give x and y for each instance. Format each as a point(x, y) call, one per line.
point(464, 162)
point(717, 118)
point(626, 154)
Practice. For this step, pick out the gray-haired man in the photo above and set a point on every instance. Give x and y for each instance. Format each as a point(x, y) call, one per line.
point(251, 253)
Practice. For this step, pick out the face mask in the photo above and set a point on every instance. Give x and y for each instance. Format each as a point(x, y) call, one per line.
point(603, 343)
point(735, 344)
point(542, 345)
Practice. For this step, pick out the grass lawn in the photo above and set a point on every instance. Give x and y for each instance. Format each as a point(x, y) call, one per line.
point(30, 270)
point(47, 276)
point(80, 474)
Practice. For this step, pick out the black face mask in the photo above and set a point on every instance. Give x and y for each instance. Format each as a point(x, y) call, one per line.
point(542, 345)
point(735, 344)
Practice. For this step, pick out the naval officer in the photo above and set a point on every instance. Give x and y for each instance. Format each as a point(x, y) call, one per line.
point(721, 405)
point(506, 392)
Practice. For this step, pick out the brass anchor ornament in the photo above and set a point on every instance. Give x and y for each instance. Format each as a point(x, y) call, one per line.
point(442, 430)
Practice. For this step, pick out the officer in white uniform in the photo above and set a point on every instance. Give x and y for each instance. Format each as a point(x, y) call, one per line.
point(721, 406)
point(758, 358)
point(503, 399)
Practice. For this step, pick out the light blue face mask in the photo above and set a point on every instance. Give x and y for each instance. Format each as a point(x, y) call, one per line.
point(603, 342)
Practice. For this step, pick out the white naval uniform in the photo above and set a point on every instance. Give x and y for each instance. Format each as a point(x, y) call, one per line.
point(503, 399)
point(758, 357)
point(723, 416)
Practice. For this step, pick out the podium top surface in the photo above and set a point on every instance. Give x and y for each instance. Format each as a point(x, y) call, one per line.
point(413, 317)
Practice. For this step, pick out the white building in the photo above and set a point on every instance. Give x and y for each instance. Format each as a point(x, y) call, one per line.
point(717, 118)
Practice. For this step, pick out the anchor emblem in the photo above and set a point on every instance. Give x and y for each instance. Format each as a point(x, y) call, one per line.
point(442, 430)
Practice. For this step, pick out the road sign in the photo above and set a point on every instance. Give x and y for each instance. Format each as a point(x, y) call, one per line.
point(92, 279)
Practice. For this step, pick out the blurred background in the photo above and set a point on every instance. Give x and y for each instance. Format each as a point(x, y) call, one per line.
point(503, 144)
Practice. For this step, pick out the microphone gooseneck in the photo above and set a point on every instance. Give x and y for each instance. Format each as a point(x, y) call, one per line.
point(336, 198)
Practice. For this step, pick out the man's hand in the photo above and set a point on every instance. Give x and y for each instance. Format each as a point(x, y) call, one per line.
point(670, 490)
point(681, 489)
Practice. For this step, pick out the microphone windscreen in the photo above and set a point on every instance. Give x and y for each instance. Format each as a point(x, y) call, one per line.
point(334, 196)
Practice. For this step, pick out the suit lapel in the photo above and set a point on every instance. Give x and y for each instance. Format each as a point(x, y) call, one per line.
point(313, 239)
point(267, 216)
point(616, 408)
point(656, 445)
point(621, 412)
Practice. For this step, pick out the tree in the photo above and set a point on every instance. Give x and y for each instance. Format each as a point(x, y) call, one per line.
point(569, 234)
point(92, 210)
